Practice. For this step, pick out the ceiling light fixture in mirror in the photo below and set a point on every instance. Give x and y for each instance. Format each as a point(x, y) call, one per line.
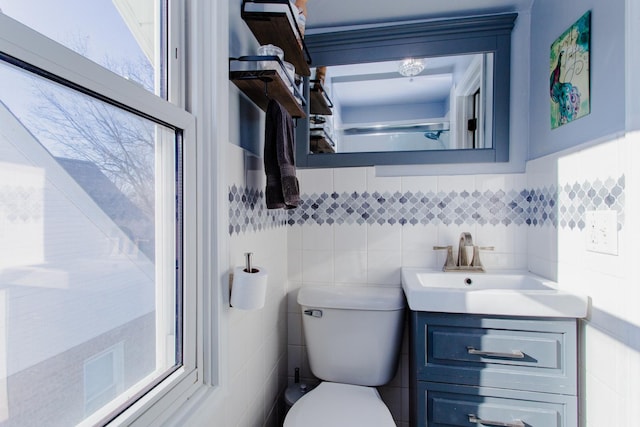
point(411, 67)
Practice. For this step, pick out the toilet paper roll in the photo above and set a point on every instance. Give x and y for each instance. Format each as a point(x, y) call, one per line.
point(248, 290)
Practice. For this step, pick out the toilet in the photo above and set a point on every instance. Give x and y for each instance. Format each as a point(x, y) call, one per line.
point(353, 336)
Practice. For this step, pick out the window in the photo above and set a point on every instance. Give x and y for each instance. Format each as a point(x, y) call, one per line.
point(97, 300)
point(128, 37)
point(103, 378)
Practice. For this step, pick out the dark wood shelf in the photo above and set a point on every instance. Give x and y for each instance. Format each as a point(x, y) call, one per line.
point(275, 28)
point(252, 84)
point(321, 143)
point(318, 102)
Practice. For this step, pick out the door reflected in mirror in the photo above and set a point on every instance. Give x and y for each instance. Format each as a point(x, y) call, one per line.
point(415, 104)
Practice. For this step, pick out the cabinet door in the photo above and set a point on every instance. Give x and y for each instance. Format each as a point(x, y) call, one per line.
point(522, 354)
point(445, 405)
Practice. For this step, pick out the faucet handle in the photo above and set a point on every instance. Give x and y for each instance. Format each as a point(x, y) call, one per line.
point(449, 262)
point(475, 262)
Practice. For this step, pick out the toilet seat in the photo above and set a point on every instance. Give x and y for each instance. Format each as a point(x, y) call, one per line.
point(339, 405)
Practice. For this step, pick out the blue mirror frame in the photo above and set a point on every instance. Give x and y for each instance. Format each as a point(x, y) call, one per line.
point(482, 34)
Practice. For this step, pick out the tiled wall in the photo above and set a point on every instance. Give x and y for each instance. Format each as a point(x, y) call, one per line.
point(610, 365)
point(355, 228)
point(562, 205)
point(248, 211)
point(255, 348)
point(555, 204)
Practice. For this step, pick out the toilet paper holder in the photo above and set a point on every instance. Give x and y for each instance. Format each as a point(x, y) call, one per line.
point(248, 286)
point(248, 267)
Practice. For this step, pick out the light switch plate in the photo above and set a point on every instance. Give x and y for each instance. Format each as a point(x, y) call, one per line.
point(602, 231)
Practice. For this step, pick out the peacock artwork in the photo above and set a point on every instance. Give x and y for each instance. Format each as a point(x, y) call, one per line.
point(569, 79)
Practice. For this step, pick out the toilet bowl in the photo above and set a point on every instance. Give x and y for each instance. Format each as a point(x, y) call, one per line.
point(340, 405)
point(353, 336)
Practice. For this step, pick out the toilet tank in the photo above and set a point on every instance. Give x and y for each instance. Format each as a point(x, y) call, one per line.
point(353, 333)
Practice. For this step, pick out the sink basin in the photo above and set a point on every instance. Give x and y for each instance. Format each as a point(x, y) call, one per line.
point(508, 292)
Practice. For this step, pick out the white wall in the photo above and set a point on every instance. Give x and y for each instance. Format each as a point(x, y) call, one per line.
point(372, 254)
point(611, 335)
point(253, 349)
point(257, 340)
point(599, 150)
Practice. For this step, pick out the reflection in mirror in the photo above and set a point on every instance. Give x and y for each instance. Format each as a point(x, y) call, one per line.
point(436, 103)
point(441, 125)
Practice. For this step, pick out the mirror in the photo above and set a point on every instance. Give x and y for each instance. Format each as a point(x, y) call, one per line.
point(452, 106)
point(414, 104)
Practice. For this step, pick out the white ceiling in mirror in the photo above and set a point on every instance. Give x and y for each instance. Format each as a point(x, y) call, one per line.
point(324, 14)
point(361, 84)
point(401, 90)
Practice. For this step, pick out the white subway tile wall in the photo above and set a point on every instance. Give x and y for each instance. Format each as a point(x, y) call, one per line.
point(353, 228)
point(255, 343)
point(599, 177)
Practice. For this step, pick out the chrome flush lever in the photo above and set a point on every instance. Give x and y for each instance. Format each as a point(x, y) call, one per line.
point(313, 313)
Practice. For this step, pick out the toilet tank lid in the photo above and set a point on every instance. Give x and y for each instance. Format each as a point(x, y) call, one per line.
point(377, 298)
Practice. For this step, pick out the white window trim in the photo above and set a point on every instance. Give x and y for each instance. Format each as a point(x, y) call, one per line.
point(208, 97)
point(25, 44)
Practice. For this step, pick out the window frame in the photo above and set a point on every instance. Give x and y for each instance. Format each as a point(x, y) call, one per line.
point(26, 45)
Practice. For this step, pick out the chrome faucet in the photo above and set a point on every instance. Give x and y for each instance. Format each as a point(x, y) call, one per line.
point(468, 260)
point(466, 241)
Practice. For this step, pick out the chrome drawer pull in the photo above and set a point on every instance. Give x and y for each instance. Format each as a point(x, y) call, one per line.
point(515, 354)
point(476, 420)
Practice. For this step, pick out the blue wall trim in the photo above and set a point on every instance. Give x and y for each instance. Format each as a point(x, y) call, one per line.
point(562, 206)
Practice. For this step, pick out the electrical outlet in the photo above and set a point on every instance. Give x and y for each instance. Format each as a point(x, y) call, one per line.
point(602, 231)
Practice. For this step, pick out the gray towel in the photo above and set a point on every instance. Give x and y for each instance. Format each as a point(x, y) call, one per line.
point(282, 189)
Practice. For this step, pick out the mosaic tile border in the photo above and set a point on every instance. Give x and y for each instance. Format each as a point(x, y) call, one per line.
point(410, 208)
point(577, 198)
point(248, 211)
point(562, 206)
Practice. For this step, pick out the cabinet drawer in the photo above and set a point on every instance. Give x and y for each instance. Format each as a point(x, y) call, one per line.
point(524, 354)
point(452, 405)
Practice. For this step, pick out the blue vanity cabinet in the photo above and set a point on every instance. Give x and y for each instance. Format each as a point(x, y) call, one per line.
point(471, 370)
